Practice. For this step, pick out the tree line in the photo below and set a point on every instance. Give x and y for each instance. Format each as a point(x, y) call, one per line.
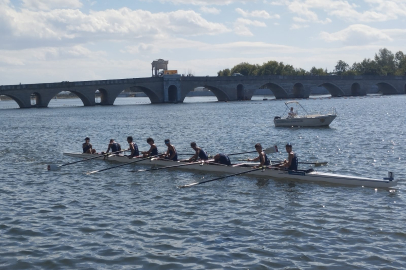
point(385, 63)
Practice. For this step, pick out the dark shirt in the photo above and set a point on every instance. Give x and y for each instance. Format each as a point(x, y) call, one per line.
point(223, 159)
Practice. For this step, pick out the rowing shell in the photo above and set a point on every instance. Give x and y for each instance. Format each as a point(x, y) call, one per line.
point(302, 175)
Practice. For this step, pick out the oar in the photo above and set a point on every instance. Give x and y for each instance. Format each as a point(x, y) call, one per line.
point(269, 150)
point(168, 167)
point(317, 164)
point(121, 165)
point(219, 178)
point(53, 167)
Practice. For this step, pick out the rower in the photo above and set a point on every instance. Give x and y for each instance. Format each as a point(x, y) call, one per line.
point(222, 159)
point(291, 163)
point(87, 147)
point(262, 157)
point(114, 146)
point(171, 153)
point(200, 154)
point(153, 150)
point(133, 147)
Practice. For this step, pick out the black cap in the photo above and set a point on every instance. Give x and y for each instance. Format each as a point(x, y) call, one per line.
point(288, 144)
point(87, 138)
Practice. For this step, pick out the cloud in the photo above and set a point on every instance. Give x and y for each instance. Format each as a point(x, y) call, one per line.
point(357, 34)
point(261, 14)
point(241, 26)
point(376, 10)
point(204, 2)
point(61, 27)
point(50, 4)
point(211, 10)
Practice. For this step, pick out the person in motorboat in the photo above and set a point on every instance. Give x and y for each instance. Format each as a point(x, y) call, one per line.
point(153, 150)
point(87, 147)
point(222, 159)
point(291, 163)
point(114, 147)
point(292, 113)
point(133, 147)
point(171, 153)
point(262, 157)
point(200, 153)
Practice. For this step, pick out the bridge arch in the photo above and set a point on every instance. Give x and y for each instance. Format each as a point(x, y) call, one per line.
point(83, 98)
point(298, 90)
point(276, 89)
point(150, 94)
point(173, 94)
point(19, 102)
point(103, 95)
point(334, 90)
point(356, 89)
point(386, 88)
point(220, 94)
point(240, 92)
point(36, 100)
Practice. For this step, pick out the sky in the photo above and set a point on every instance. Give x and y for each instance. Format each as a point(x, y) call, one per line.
point(75, 40)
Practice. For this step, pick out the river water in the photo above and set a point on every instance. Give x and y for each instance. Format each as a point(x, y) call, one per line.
point(121, 220)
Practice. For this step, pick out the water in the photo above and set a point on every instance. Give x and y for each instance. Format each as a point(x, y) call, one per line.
point(121, 220)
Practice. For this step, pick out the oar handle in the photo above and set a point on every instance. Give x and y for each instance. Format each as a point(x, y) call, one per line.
point(218, 178)
point(121, 165)
point(168, 167)
point(98, 156)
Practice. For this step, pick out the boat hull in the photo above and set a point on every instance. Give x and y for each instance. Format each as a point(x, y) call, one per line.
point(267, 173)
point(305, 121)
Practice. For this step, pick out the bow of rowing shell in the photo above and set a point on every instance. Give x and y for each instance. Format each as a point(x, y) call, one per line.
point(310, 176)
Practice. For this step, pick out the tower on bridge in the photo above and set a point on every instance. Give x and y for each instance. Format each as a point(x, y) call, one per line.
point(158, 65)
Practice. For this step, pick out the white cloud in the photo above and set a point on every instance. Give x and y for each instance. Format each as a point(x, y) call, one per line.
point(261, 14)
point(51, 4)
point(357, 34)
point(25, 28)
point(204, 2)
point(211, 10)
point(241, 26)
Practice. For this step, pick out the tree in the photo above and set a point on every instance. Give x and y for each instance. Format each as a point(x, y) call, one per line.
point(245, 69)
point(341, 67)
point(386, 61)
point(317, 72)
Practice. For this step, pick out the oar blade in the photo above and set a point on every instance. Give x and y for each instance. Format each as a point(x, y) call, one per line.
point(53, 167)
point(271, 150)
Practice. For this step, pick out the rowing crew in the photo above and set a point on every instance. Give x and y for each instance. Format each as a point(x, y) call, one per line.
point(171, 153)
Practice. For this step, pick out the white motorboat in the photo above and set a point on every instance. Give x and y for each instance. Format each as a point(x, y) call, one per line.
point(268, 172)
point(294, 119)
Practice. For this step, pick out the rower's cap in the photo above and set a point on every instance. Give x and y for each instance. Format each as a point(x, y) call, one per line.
point(87, 138)
point(167, 141)
point(111, 140)
point(288, 144)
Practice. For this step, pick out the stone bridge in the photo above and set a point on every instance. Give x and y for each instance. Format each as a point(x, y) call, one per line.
point(174, 88)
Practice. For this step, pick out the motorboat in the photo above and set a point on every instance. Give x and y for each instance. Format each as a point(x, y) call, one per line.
point(304, 119)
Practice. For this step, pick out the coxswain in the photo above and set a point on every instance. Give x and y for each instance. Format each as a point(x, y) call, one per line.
point(222, 159)
point(200, 154)
point(291, 163)
point(132, 147)
point(87, 147)
point(153, 150)
point(114, 147)
point(262, 157)
point(171, 153)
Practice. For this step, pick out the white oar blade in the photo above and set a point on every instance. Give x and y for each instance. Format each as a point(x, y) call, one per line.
point(271, 150)
point(53, 167)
